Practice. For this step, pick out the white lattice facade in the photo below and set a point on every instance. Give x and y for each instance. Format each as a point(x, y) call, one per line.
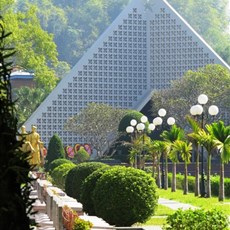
point(143, 50)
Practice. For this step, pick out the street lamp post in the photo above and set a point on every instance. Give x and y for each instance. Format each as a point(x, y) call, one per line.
point(197, 110)
point(157, 122)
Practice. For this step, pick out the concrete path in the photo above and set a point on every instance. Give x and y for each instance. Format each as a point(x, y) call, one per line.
point(174, 205)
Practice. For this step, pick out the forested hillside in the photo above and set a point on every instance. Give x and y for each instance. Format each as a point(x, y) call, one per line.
point(76, 24)
point(50, 36)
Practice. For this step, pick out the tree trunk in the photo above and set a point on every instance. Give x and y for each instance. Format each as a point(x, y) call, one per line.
point(185, 179)
point(158, 175)
point(153, 167)
point(197, 172)
point(221, 188)
point(166, 185)
point(209, 176)
point(173, 186)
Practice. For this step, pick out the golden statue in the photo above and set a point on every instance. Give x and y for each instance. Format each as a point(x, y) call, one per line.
point(26, 146)
point(37, 144)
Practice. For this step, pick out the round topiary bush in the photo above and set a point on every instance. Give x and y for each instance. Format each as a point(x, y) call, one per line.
point(59, 174)
point(76, 177)
point(88, 188)
point(57, 162)
point(125, 121)
point(124, 196)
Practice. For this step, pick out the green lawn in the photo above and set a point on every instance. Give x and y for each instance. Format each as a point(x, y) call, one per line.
point(207, 203)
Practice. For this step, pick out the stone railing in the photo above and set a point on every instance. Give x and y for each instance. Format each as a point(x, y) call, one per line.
point(56, 199)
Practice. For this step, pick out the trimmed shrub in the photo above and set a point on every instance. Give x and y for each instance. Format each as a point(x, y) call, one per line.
point(76, 177)
point(196, 220)
point(81, 155)
point(57, 162)
point(124, 196)
point(59, 174)
point(88, 188)
point(55, 150)
point(125, 121)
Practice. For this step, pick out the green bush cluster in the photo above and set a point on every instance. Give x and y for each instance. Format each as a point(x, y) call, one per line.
point(124, 196)
point(191, 184)
point(59, 174)
point(76, 177)
point(120, 195)
point(198, 219)
point(88, 187)
point(57, 162)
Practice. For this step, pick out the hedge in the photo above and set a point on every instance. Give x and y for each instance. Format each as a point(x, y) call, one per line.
point(88, 188)
point(59, 174)
point(76, 177)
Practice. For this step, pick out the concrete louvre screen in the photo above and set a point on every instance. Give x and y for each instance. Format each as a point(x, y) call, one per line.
point(145, 48)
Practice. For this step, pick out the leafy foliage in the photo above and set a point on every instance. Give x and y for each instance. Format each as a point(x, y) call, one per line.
point(210, 18)
point(55, 150)
point(98, 123)
point(88, 187)
point(57, 162)
point(76, 177)
point(82, 155)
point(124, 196)
point(15, 183)
point(80, 224)
point(197, 219)
point(27, 100)
point(59, 174)
point(213, 80)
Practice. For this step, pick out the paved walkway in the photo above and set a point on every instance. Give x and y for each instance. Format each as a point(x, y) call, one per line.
point(174, 204)
point(170, 204)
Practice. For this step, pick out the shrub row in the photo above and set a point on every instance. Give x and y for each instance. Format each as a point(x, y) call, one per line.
point(121, 196)
point(191, 184)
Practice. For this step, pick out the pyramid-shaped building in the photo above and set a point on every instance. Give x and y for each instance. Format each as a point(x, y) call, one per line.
point(148, 45)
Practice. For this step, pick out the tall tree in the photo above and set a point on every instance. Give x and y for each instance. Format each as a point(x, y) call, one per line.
point(207, 141)
point(210, 18)
point(36, 49)
point(175, 133)
point(158, 149)
point(221, 134)
point(184, 148)
point(98, 124)
point(213, 80)
point(15, 183)
point(193, 138)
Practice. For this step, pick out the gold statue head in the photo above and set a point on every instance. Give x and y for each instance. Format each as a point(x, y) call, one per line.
point(34, 128)
point(23, 129)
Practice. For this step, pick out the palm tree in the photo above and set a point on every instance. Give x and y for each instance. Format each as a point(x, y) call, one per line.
point(157, 149)
point(175, 133)
point(185, 149)
point(207, 140)
point(139, 150)
point(221, 134)
point(194, 140)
